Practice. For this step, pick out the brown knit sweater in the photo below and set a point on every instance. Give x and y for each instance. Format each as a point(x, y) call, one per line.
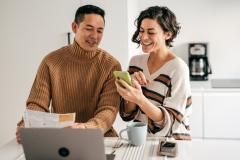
point(74, 80)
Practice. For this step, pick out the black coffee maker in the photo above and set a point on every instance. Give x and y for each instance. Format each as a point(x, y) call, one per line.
point(198, 61)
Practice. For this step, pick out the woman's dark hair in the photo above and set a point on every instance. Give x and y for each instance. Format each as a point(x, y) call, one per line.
point(165, 18)
point(87, 9)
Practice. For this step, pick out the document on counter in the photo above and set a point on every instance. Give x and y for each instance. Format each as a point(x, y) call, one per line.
point(36, 119)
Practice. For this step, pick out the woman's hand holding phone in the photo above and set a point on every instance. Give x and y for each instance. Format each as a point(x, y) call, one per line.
point(132, 93)
point(137, 76)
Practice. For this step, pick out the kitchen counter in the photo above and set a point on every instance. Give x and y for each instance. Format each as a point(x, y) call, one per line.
point(205, 86)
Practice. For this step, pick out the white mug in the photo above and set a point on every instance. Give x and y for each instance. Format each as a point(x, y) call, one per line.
point(137, 133)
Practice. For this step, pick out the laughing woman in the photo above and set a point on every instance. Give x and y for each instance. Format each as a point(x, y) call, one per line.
point(160, 95)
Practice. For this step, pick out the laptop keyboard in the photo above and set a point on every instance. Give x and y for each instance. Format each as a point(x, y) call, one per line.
point(134, 152)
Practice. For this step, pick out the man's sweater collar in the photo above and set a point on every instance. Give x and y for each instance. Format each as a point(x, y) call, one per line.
point(79, 52)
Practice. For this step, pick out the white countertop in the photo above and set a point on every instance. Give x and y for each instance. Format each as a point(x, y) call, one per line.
point(205, 86)
point(197, 149)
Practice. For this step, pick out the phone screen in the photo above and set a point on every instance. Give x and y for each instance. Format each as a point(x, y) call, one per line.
point(168, 144)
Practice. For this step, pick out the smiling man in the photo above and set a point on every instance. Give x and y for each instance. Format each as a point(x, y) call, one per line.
point(79, 77)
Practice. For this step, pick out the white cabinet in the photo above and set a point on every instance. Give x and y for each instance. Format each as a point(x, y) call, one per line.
point(221, 114)
point(196, 119)
point(216, 113)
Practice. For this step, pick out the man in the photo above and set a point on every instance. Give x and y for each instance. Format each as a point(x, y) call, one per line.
point(79, 77)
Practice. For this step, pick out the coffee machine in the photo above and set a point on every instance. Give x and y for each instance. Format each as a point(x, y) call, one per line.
point(198, 61)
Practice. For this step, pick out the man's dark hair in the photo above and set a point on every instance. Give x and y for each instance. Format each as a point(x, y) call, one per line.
point(165, 18)
point(88, 9)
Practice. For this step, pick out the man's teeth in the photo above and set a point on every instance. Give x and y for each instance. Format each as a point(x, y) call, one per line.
point(92, 42)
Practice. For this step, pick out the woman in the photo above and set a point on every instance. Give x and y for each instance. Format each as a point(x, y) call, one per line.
point(160, 95)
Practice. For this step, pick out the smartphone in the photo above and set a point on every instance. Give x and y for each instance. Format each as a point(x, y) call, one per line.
point(168, 149)
point(124, 75)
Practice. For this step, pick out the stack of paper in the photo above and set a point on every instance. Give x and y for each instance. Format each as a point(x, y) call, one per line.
point(44, 120)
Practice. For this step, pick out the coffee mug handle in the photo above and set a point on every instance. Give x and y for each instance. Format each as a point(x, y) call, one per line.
point(120, 134)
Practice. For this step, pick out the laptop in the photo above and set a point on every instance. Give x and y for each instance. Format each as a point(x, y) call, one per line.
point(63, 144)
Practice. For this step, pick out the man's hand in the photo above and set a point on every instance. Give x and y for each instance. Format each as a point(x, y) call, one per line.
point(18, 134)
point(77, 125)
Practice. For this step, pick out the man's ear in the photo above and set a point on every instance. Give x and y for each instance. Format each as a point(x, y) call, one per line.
point(168, 35)
point(74, 27)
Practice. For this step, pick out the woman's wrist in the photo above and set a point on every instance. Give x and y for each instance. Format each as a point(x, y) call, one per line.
point(141, 101)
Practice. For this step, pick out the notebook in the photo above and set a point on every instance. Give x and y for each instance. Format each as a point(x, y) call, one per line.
point(63, 143)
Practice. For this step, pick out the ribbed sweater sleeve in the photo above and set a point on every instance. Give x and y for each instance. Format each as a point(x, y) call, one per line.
point(107, 109)
point(40, 97)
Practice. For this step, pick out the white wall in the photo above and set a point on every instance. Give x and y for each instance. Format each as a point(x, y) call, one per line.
point(133, 12)
point(30, 29)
